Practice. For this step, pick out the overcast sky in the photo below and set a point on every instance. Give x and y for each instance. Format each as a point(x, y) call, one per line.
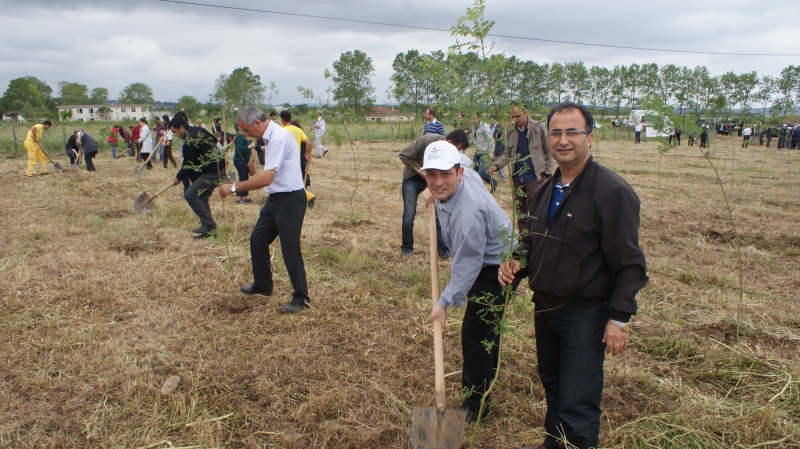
point(180, 50)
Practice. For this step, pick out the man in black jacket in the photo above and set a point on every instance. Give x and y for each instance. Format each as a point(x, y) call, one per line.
point(204, 166)
point(585, 266)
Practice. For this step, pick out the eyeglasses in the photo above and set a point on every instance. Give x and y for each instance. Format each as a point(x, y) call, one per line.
point(572, 132)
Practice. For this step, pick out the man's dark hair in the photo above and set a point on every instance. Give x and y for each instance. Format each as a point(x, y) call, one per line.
point(47, 122)
point(432, 112)
point(273, 113)
point(181, 114)
point(286, 116)
point(177, 122)
point(458, 137)
point(494, 116)
point(566, 106)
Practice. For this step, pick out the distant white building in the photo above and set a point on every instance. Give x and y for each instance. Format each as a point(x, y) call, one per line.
point(386, 114)
point(9, 116)
point(116, 112)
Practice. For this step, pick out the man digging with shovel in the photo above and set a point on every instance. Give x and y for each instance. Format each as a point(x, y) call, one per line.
point(474, 227)
point(201, 164)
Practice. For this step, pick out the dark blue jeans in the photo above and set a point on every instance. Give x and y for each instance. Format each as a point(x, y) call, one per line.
point(244, 175)
point(570, 352)
point(412, 187)
point(480, 162)
point(638, 136)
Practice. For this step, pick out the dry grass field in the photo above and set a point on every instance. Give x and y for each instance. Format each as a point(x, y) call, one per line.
point(99, 306)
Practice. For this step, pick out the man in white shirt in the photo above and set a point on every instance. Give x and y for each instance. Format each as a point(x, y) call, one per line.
point(638, 130)
point(319, 128)
point(282, 215)
point(746, 137)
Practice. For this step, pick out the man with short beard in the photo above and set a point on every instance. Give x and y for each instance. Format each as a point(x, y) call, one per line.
point(532, 162)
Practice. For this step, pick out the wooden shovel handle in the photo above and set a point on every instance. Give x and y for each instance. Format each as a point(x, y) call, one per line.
point(157, 194)
point(438, 348)
point(156, 147)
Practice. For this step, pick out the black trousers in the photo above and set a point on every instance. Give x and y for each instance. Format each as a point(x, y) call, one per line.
point(480, 324)
point(282, 216)
point(89, 162)
point(197, 195)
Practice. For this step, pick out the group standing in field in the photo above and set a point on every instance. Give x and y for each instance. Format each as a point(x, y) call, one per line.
point(575, 237)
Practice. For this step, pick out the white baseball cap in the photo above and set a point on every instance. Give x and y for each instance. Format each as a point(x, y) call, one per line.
point(440, 155)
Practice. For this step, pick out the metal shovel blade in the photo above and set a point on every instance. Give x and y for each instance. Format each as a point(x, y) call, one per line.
point(58, 167)
point(139, 171)
point(143, 204)
point(432, 429)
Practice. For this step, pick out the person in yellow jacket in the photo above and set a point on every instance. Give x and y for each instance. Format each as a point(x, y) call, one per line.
point(33, 145)
point(301, 138)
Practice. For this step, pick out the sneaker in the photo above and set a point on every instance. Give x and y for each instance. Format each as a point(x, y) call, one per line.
point(325, 152)
point(311, 202)
point(407, 252)
point(293, 308)
point(45, 173)
point(253, 290)
point(444, 254)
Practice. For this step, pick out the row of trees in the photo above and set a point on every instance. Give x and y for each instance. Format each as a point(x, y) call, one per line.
point(34, 97)
point(456, 80)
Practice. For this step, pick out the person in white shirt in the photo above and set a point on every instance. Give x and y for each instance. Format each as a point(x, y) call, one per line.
point(319, 128)
point(282, 215)
point(638, 130)
point(746, 137)
point(146, 139)
point(484, 144)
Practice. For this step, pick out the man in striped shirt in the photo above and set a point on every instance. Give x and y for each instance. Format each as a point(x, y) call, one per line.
point(432, 126)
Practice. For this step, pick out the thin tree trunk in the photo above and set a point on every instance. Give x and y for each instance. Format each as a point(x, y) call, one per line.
point(14, 132)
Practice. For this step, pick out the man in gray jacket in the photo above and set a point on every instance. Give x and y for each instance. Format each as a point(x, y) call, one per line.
point(414, 183)
point(532, 163)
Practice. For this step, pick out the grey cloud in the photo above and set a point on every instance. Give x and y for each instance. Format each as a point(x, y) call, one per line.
point(180, 50)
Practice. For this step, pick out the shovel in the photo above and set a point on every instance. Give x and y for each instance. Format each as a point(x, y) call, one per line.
point(57, 166)
point(139, 170)
point(437, 428)
point(143, 204)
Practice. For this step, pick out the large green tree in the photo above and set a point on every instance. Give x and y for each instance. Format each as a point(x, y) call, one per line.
point(352, 81)
point(99, 95)
point(239, 89)
point(30, 95)
point(73, 93)
point(189, 104)
point(136, 93)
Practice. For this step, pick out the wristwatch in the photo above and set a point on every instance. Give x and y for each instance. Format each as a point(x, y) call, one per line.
point(624, 326)
point(233, 188)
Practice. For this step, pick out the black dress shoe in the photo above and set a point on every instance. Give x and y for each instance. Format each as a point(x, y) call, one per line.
point(293, 308)
point(202, 235)
point(202, 230)
point(252, 290)
point(473, 413)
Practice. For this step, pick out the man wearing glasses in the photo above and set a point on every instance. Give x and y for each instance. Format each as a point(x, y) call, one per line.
point(532, 163)
point(584, 263)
